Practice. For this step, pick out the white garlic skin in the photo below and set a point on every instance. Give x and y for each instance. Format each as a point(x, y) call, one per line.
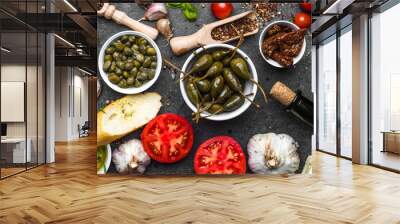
point(130, 157)
point(282, 145)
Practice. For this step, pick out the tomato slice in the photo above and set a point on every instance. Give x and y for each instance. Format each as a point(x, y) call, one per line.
point(220, 155)
point(167, 138)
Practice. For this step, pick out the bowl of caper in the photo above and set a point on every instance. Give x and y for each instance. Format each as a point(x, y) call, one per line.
point(219, 82)
point(129, 62)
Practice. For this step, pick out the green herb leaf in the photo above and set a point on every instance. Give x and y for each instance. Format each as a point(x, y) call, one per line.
point(188, 10)
point(175, 5)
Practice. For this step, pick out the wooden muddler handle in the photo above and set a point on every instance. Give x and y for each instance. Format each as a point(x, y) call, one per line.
point(110, 12)
point(183, 44)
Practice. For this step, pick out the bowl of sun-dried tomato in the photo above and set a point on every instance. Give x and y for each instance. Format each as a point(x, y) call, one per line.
point(282, 43)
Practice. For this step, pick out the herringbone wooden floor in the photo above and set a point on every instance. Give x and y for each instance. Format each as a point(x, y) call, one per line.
point(70, 192)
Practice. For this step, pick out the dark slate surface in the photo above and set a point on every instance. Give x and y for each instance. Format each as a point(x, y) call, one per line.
point(271, 118)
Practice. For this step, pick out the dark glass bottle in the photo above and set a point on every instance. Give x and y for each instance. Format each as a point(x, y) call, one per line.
point(302, 108)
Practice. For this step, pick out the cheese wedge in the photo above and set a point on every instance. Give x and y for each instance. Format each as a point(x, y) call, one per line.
point(126, 115)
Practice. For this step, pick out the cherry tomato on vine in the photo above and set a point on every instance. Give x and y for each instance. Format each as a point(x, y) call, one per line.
point(302, 20)
point(306, 6)
point(221, 10)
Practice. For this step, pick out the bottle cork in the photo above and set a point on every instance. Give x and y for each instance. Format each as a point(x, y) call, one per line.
point(282, 93)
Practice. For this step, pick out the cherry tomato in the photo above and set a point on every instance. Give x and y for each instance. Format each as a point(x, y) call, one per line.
point(302, 20)
point(220, 155)
point(306, 6)
point(221, 10)
point(167, 138)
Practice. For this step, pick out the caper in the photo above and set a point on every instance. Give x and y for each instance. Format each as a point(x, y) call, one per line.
point(132, 39)
point(153, 64)
point(142, 41)
point(136, 63)
point(122, 83)
point(127, 51)
point(138, 83)
point(151, 51)
point(135, 47)
point(116, 56)
point(119, 47)
point(113, 78)
point(128, 66)
point(130, 81)
point(140, 58)
point(233, 103)
point(113, 66)
point(128, 44)
point(147, 62)
point(118, 71)
point(124, 38)
point(215, 109)
point(110, 50)
point(153, 58)
point(203, 85)
point(133, 72)
point(106, 65)
point(142, 49)
point(121, 65)
point(217, 85)
point(150, 74)
point(108, 57)
point(126, 74)
point(207, 97)
point(124, 58)
point(141, 76)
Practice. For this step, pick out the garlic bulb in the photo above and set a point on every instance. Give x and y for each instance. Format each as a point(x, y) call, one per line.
point(155, 11)
point(130, 157)
point(273, 154)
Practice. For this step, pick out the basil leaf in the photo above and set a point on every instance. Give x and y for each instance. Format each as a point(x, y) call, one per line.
point(189, 11)
point(175, 5)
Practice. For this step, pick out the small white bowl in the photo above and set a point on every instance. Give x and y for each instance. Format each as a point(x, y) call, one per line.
point(264, 32)
point(107, 163)
point(249, 87)
point(131, 90)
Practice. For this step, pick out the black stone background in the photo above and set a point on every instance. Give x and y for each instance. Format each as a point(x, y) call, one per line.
point(270, 118)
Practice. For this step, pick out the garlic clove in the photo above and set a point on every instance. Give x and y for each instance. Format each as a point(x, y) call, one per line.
point(164, 26)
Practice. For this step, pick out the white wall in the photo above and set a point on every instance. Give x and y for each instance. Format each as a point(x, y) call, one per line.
point(33, 127)
point(71, 102)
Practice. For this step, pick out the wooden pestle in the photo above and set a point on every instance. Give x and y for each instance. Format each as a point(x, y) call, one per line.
point(110, 12)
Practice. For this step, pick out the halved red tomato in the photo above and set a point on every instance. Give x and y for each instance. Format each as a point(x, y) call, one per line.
point(220, 155)
point(167, 138)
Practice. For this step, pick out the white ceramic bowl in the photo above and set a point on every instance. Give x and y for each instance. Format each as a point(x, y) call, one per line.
point(131, 90)
point(107, 163)
point(249, 87)
point(264, 32)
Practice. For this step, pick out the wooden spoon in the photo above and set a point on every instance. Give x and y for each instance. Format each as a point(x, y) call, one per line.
point(183, 44)
point(110, 12)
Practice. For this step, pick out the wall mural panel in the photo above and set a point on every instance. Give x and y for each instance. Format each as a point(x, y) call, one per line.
point(203, 88)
